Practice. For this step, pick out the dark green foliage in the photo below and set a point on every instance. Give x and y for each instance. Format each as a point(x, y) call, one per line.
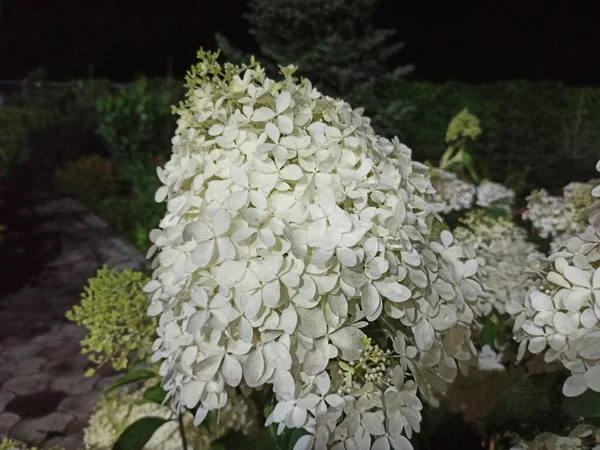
point(136, 123)
point(17, 125)
point(336, 45)
point(139, 433)
point(535, 404)
point(535, 134)
point(13, 134)
point(155, 394)
point(89, 179)
point(133, 376)
point(134, 215)
point(68, 131)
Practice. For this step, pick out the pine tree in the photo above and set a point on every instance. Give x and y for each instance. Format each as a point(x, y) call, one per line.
point(336, 45)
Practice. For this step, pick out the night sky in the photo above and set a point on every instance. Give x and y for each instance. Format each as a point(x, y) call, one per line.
point(475, 41)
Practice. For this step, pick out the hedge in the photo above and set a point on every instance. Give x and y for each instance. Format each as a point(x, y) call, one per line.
point(542, 134)
point(546, 132)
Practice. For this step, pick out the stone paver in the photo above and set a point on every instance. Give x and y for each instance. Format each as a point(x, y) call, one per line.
point(80, 404)
point(5, 398)
point(28, 384)
point(21, 351)
point(3, 377)
point(74, 384)
point(27, 431)
point(29, 365)
point(63, 442)
point(39, 348)
point(7, 421)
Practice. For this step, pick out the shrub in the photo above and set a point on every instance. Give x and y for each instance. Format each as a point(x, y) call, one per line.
point(70, 129)
point(545, 126)
point(136, 213)
point(89, 179)
point(16, 127)
point(135, 123)
point(113, 309)
point(13, 133)
point(12, 444)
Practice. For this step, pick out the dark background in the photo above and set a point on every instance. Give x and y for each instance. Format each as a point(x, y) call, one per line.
point(473, 41)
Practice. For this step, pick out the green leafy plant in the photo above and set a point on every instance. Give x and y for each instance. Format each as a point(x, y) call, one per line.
point(13, 444)
point(338, 46)
point(135, 122)
point(89, 179)
point(532, 130)
point(135, 213)
point(535, 403)
point(16, 127)
point(113, 309)
point(463, 129)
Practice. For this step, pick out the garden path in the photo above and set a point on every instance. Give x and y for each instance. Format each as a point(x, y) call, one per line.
point(53, 246)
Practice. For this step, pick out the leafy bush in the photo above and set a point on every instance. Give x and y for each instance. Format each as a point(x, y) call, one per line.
point(531, 130)
point(135, 123)
point(13, 132)
point(69, 128)
point(12, 444)
point(89, 179)
point(136, 213)
point(16, 127)
point(113, 309)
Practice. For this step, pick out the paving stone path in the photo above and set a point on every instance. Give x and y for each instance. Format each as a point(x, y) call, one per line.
point(44, 398)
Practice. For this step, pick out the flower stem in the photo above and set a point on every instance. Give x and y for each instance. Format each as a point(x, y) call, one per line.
point(182, 432)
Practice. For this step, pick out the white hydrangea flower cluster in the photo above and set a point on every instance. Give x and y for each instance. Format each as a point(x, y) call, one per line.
point(503, 252)
point(118, 409)
point(546, 213)
point(562, 314)
point(495, 195)
point(582, 437)
point(290, 227)
point(450, 193)
point(560, 217)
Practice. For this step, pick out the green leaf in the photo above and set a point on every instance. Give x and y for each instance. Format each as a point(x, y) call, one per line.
point(290, 436)
point(490, 331)
point(131, 377)
point(138, 433)
point(155, 394)
point(468, 163)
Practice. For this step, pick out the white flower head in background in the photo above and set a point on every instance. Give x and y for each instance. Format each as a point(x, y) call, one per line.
point(562, 315)
point(290, 227)
point(503, 252)
point(450, 193)
point(489, 360)
point(582, 437)
point(495, 195)
point(561, 217)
